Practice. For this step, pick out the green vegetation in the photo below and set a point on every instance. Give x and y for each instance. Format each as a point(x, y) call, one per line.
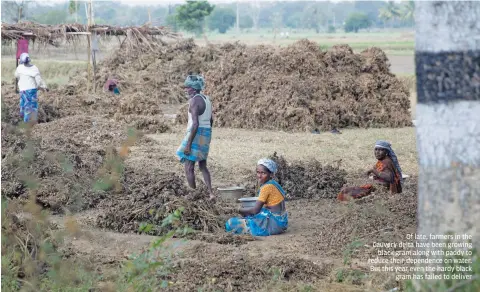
point(357, 21)
point(191, 16)
point(318, 16)
point(221, 19)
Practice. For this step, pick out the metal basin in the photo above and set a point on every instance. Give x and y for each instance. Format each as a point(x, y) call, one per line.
point(231, 194)
point(248, 202)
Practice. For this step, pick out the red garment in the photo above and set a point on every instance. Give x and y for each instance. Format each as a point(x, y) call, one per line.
point(110, 82)
point(22, 47)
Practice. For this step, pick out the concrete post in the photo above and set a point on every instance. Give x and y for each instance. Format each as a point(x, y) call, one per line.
point(447, 61)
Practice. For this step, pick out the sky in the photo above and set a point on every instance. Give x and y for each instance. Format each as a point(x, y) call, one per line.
point(153, 2)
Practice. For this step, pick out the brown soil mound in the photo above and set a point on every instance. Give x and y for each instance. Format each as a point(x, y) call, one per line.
point(309, 179)
point(300, 87)
point(150, 195)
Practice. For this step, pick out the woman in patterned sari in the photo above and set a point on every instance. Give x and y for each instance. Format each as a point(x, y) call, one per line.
point(268, 216)
point(29, 81)
point(386, 173)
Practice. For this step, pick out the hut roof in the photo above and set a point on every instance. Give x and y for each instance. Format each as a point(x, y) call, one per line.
point(54, 34)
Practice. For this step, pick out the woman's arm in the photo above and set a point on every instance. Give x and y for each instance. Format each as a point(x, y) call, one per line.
point(385, 175)
point(40, 82)
point(251, 211)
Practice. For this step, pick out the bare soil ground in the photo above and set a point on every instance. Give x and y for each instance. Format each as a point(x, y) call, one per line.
point(309, 254)
point(402, 65)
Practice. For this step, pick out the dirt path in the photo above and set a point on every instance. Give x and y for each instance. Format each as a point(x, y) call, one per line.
point(402, 65)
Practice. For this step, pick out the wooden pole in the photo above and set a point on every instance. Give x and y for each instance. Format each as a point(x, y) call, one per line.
point(94, 72)
point(89, 38)
point(238, 20)
point(16, 80)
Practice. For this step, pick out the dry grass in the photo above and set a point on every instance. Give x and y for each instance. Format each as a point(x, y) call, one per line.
point(52, 71)
point(234, 152)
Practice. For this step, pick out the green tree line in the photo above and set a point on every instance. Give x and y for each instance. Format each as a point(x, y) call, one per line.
point(200, 16)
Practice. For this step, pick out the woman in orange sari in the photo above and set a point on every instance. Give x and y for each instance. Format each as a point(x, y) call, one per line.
point(386, 173)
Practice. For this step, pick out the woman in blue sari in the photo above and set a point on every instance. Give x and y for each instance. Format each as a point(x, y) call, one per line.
point(268, 216)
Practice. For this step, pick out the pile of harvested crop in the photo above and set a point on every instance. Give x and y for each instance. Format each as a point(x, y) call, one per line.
point(150, 196)
point(309, 179)
point(61, 174)
point(300, 87)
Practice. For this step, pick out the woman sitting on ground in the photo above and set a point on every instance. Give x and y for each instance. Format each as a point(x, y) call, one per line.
point(268, 216)
point(386, 172)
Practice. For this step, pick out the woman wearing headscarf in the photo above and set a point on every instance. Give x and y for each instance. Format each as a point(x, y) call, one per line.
point(29, 80)
point(269, 215)
point(386, 172)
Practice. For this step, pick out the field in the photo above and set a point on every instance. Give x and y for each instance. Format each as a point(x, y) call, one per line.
point(327, 243)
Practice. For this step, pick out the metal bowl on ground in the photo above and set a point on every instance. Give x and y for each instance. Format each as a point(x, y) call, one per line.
point(231, 194)
point(248, 202)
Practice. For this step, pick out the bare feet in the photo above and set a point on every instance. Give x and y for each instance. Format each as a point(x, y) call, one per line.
point(212, 197)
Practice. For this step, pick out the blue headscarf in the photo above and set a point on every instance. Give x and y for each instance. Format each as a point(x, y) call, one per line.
point(195, 82)
point(24, 58)
point(269, 164)
point(387, 146)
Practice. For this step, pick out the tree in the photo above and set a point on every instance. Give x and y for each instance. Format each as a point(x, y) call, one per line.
point(313, 16)
point(246, 21)
point(14, 11)
point(357, 21)
point(221, 19)
point(407, 11)
point(73, 8)
point(255, 8)
point(52, 17)
point(447, 122)
point(191, 16)
point(389, 13)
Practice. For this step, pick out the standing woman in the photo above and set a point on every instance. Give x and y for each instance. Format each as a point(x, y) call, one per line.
point(29, 81)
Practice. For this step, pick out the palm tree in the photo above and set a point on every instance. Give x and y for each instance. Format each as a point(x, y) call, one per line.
point(407, 11)
point(390, 12)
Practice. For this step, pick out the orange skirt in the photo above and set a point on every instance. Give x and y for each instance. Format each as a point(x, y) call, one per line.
point(355, 192)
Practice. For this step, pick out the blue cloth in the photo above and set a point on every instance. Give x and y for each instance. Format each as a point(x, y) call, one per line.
point(29, 104)
point(387, 146)
point(264, 223)
point(200, 145)
point(269, 164)
point(24, 58)
point(195, 82)
point(116, 91)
